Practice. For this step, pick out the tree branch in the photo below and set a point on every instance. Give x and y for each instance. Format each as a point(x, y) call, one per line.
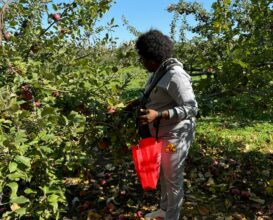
point(45, 30)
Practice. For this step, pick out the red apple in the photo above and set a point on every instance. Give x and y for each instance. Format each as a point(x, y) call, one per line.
point(210, 70)
point(103, 182)
point(213, 169)
point(139, 214)
point(103, 144)
point(121, 217)
point(108, 175)
point(26, 92)
point(56, 94)
point(235, 191)
point(215, 162)
point(83, 207)
point(64, 31)
point(37, 104)
point(245, 194)
point(27, 95)
point(7, 36)
point(122, 193)
point(25, 106)
point(110, 207)
point(86, 205)
point(34, 48)
point(80, 108)
point(56, 16)
point(111, 110)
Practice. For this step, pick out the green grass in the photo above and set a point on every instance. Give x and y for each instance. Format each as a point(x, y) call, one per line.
point(233, 134)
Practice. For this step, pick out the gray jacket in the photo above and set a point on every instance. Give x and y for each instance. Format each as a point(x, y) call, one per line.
point(174, 93)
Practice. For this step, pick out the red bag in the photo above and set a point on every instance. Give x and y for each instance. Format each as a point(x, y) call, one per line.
point(147, 159)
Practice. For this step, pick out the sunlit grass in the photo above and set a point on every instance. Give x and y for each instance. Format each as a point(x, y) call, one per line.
point(246, 135)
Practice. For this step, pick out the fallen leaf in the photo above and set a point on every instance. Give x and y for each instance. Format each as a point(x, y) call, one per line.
point(238, 216)
point(93, 216)
point(203, 211)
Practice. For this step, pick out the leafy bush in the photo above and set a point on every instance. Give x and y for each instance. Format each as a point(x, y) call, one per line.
point(56, 88)
point(233, 41)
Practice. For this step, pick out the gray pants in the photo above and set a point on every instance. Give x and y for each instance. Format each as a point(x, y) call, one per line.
point(171, 175)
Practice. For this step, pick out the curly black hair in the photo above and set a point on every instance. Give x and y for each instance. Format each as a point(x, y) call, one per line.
point(154, 45)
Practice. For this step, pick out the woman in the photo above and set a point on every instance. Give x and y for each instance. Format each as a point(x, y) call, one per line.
point(173, 101)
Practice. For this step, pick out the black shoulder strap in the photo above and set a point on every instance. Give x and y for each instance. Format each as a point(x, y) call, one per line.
point(161, 72)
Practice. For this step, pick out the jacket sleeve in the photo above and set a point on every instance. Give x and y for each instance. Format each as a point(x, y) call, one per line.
point(180, 90)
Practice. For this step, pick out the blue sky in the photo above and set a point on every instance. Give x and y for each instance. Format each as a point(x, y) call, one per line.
point(143, 15)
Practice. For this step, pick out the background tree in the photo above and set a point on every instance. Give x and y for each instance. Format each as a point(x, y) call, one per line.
point(234, 41)
point(231, 35)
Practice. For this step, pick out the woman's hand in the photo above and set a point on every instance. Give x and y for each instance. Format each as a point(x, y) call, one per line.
point(147, 116)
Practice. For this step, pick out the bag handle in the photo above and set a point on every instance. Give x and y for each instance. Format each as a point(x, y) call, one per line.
point(156, 125)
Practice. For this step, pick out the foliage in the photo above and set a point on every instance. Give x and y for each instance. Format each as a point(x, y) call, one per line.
point(58, 81)
point(62, 86)
point(233, 41)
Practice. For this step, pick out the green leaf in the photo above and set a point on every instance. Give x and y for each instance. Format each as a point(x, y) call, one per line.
point(20, 137)
point(2, 139)
point(13, 106)
point(45, 149)
point(53, 200)
point(42, 135)
point(241, 63)
point(24, 160)
point(257, 199)
point(12, 166)
point(20, 200)
point(29, 191)
point(13, 23)
point(47, 111)
point(19, 174)
point(62, 50)
point(45, 189)
point(14, 188)
point(21, 211)
point(55, 7)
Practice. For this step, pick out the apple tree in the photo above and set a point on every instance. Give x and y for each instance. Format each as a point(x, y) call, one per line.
point(234, 42)
point(234, 38)
point(58, 80)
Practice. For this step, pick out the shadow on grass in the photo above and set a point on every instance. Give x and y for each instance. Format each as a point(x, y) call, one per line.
point(243, 108)
point(222, 180)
